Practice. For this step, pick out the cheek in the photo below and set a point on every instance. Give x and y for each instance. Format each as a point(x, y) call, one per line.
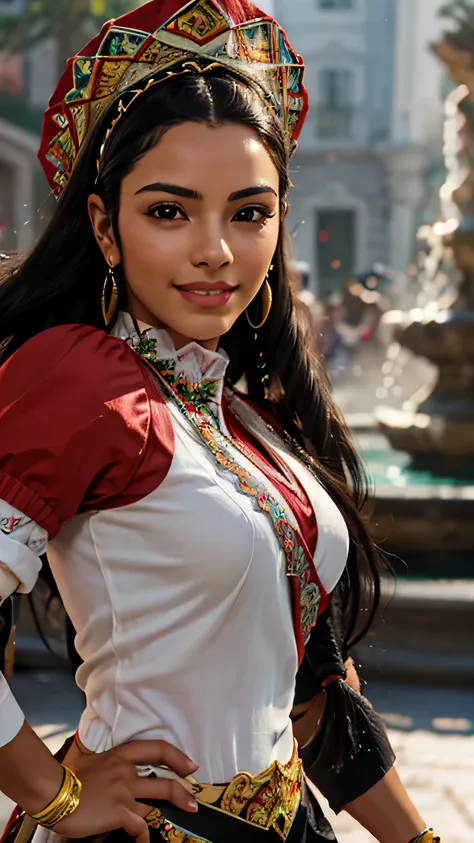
point(146, 252)
point(254, 240)
point(256, 253)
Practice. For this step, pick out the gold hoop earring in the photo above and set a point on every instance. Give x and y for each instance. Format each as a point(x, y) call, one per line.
point(267, 301)
point(109, 310)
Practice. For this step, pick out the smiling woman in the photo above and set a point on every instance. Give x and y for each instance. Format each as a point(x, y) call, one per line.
point(195, 264)
point(207, 544)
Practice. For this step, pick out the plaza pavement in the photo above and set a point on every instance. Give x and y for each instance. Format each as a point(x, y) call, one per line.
point(432, 730)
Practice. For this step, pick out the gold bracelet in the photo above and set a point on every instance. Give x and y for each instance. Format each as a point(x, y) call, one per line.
point(64, 804)
point(426, 836)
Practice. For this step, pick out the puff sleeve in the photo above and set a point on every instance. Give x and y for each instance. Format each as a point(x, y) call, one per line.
point(74, 425)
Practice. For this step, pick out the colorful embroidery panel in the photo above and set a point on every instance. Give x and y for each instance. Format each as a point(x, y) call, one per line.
point(141, 45)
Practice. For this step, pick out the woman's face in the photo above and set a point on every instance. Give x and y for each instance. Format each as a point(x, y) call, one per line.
point(199, 221)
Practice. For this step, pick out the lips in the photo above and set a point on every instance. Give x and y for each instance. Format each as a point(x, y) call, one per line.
point(207, 294)
point(206, 287)
point(197, 292)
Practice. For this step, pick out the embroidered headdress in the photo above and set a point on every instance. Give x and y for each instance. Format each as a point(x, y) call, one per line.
point(159, 39)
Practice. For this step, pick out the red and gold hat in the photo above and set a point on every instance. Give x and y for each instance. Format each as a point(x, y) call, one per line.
point(145, 45)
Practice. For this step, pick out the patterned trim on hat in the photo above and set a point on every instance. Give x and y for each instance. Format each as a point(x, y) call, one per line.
point(141, 45)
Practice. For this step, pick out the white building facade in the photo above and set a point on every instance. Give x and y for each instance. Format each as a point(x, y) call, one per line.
point(374, 92)
point(375, 101)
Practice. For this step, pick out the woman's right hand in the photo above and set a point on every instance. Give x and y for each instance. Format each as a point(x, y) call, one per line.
point(111, 785)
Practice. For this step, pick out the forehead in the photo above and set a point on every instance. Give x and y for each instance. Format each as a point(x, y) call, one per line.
point(225, 158)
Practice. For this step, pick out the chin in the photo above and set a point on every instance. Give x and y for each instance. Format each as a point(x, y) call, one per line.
point(204, 329)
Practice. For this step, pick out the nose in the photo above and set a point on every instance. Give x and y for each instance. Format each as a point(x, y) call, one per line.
point(212, 248)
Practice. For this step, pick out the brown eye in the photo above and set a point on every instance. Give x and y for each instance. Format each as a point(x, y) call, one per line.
point(253, 214)
point(167, 211)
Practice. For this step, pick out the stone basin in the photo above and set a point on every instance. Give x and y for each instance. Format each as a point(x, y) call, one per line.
point(424, 522)
point(423, 517)
point(437, 430)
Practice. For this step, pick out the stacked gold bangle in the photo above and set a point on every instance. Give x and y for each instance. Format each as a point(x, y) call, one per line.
point(426, 836)
point(65, 803)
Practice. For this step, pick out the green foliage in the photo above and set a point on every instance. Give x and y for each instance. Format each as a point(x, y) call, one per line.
point(460, 13)
point(457, 10)
point(70, 22)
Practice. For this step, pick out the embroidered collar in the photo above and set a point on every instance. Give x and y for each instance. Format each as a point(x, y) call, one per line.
point(193, 372)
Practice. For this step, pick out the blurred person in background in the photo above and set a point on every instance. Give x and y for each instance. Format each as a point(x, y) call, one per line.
point(364, 303)
point(336, 343)
point(208, 546)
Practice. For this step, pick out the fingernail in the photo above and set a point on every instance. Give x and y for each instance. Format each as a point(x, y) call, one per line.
point(191, 787)
point(192, 805)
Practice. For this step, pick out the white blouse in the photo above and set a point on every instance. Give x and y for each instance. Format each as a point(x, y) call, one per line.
point(181, 601)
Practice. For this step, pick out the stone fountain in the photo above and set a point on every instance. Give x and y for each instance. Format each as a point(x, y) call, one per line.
point(424, 508)
point(437, 430)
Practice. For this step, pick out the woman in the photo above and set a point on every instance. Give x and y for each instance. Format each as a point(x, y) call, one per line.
point(207, 544)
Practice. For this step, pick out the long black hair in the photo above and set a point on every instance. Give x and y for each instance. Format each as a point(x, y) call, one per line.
point(60, 282)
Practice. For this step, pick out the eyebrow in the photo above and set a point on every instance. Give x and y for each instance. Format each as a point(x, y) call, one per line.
point(252, 191)
point(174, 189)
point(185, 192)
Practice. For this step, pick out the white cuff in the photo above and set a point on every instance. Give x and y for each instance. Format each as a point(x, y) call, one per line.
point(21, 561)
point(11, 715)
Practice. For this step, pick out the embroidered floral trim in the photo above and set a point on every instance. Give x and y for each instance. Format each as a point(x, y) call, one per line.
point(10, 523)
point(194, 374)
point(196, 396)
point(193, 379)
point(147, 347)
point(296, 558)
point(220, 446)
point(15, 525)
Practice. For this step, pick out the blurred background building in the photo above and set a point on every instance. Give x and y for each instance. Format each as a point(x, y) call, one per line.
point(373, 132)
point(36, 38)
point(361, 180)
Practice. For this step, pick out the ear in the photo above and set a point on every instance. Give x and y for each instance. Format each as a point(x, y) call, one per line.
point(103, 230)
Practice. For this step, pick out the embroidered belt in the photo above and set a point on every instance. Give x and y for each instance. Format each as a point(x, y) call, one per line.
point(266, 802)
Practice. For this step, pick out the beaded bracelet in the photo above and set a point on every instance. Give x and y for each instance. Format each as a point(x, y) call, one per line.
point(64, 804)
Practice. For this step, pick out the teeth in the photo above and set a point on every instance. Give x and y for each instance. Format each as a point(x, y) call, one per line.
point(207, 292)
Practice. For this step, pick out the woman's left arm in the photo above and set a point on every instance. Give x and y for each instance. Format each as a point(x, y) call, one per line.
point(385, 808)
point(387, 812)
